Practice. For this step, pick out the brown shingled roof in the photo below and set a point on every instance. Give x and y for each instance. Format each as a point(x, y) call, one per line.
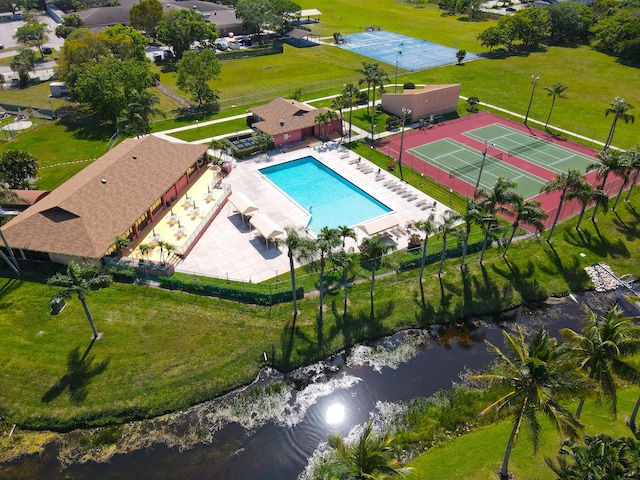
point(84, 215)
point(296, 116)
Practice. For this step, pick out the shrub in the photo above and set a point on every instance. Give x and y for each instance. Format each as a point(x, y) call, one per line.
point(122, 274)
point(409, 86)
point(414, 241)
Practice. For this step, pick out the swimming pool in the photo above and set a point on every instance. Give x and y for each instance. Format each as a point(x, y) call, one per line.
point(334, 201)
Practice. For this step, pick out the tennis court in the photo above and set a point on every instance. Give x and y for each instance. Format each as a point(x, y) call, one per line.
point(463, 162)
point(534, 149)
point(409, 53)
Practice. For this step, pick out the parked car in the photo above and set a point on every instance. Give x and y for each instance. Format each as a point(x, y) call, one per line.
point(233, 45)
point(47, 50)
point(222, 46)
point(510, 9)
point(1, 46)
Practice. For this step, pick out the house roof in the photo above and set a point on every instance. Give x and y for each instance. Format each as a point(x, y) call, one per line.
point(294, 115)
point(84, 215)
point(27, 197)
point(221, 15)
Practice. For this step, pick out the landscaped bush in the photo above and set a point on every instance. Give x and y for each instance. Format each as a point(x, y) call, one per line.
point(122, 274)
point(392, 122)
point(409, 86)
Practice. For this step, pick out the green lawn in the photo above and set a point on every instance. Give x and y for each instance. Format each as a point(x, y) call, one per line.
point(477, 455)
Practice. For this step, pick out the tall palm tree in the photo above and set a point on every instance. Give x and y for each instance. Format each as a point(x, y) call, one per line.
point(329, 118)
point(378, 77)
point(447, 220)
point(345, 232)
point(535, 376)
point(620, 111)
point(339, 103)
point(346, 260)
point(471, 215)
point(349, 92)
point(79, 280)
point(563, 183)
point(218, 147)
point(527, 213)
point(326, 242)
point(555, 91)
point(300, 248)
point(603, 351)
point(375, 250)
point(633, 158)
point(607, 162)
point(495, 201)
point(366, 459)
point(366, 77)
point(428, 227)
point(587, 195)
point(625, 171)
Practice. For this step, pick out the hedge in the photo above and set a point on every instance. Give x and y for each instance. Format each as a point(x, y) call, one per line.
point(258, 294)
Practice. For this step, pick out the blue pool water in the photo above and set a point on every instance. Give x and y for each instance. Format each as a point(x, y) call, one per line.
point(334, 200)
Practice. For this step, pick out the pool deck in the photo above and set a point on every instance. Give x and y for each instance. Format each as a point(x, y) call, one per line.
point(229, 247)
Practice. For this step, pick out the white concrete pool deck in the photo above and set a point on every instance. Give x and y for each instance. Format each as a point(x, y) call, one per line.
point(230, 249)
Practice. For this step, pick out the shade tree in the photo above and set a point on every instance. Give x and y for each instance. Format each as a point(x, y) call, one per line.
point(33, 34)
point(182, 27)
point(18, 169)
point(194, 72)
point(146, 15)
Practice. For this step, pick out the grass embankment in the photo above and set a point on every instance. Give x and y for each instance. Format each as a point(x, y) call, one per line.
point(484, 446)
point(164, 350)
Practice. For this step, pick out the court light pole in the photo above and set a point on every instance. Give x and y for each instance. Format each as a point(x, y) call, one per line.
point(484, 157)
point(533, 90)
point(395, 85)
point(406, 112)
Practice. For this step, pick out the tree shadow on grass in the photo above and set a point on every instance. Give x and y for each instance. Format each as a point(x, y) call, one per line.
point(598, 244)
point(573, 272)
point(523, 279)
point(80, 371)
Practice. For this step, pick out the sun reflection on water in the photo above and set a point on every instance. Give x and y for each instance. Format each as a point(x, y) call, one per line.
point(335, 414)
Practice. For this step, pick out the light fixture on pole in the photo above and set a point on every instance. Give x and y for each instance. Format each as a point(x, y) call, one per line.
point(533, 90)
point(395, 85)
point(484, 157)
point(406, 112)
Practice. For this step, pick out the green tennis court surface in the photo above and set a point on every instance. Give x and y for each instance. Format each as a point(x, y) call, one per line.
point(464, 162)
point(533, 149)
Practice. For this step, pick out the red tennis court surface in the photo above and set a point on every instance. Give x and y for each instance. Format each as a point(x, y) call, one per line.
point(455, 130)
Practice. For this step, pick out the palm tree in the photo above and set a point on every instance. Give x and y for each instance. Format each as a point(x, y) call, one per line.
point(527, 213)
point(555, 91)
point(378, 76)
point(603, 351)
point(326, 242)
point(345, 232)
point(535, 375)
point(350, 91)
point(563, 183)
point(218, 147)
point(339, 103)
point(626, 168)
point(79, 280)
point(321, 120)
point(607, 162)
point(620, 110)
point(300, 247)
point(494, 201)
point(368, 458)
point(138, 111)
point(472, 214)
point(448, 220)
point(346, 260)
point(375, 250)
point(586, 195)
point(146, 249)
point(633, 158)
point(598, 457)
point(366, 77)
point(329, 118)
point(428, 227)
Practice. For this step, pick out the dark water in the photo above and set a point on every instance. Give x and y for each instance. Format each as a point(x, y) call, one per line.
point(404, 366)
